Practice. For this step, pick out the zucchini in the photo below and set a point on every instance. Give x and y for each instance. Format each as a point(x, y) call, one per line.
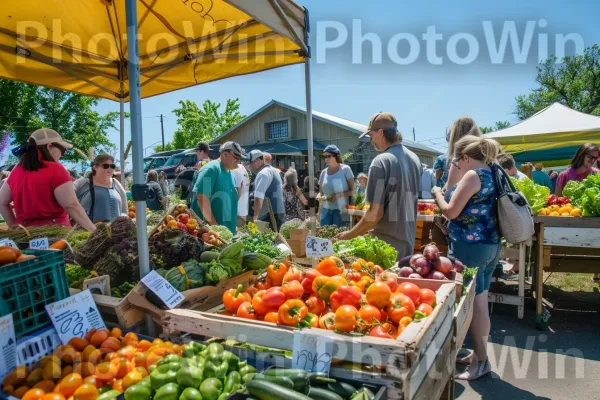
point(320, 378)
point(282, 381)
point(323, 394)
point(208, 256)
point(265, 390)
point(298, 376)
point(343, 389)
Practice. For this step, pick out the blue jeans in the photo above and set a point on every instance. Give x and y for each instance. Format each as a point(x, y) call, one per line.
point(483, 256)
point(331, 217)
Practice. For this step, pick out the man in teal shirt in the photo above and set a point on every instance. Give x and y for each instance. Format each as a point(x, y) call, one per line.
point(215, 198)
point(541, 178)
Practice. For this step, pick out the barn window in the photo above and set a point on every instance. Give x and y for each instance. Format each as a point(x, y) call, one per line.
point(278, 130)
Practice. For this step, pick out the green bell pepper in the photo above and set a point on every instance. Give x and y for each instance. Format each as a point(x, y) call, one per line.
point(192, 348)
point(171, 358)
point(223, 396)
point(163, 375)
point(138, 391)
point(111, 394)
point(233, 382)
point(170, 391)
point(232, 360)
point(189, 377)
point(248, 377)
point(211, 389)
point(247, 369)
point(152, 368)
point(190, 394)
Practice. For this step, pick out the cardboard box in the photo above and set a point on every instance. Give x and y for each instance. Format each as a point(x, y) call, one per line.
point(298, 247)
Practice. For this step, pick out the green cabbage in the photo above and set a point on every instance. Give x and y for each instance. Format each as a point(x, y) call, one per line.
point(535, 194)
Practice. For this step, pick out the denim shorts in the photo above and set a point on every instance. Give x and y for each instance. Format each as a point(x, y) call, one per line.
point(483, 256)
point(333, 217)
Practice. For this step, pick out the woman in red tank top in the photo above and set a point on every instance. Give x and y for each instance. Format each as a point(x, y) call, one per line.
point(40, 188)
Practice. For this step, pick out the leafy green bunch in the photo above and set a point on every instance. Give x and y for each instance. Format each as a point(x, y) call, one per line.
point(534, 193)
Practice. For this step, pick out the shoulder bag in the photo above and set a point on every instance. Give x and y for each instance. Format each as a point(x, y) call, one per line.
point(515, 218)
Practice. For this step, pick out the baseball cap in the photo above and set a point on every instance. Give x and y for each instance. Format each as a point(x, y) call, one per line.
point(255, 155)
point(332, 148)
point(234, 148)
point(203, 146)
point(48, 136)
point(381, 120)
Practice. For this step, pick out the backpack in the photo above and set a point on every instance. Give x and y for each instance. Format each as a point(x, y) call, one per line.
point(515, 217)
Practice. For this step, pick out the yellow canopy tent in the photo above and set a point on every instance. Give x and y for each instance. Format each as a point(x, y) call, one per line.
point(86, 46)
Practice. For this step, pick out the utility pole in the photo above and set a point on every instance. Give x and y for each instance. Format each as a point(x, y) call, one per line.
point(162, 130)
point(414, 138)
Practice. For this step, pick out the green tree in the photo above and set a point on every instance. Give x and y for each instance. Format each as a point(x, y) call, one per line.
point(575, 82)
point(499, 125)
point(196, 124)
point(24, 108)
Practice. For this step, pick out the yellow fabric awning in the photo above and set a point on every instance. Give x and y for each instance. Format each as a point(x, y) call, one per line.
point(81, 45)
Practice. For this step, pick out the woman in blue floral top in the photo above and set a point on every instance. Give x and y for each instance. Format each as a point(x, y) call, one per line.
point(473, 231)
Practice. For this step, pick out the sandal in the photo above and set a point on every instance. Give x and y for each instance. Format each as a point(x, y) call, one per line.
point(510, 275)
point(482, 369)
point(465, 358)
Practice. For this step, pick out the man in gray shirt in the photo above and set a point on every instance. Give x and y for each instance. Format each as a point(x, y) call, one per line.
point(392, 188)
point(267, 186)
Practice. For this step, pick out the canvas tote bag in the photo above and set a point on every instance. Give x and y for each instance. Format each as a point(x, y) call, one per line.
point(515, 218)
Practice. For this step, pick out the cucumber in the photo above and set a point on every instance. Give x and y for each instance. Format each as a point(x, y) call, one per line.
point(320, 378)
point(208, 256)
point(265, 390)
point(343, 389)
point(282, 381)
point(298, 376)
point(323, 394)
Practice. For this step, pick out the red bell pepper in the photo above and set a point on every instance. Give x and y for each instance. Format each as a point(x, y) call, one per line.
point(344, 296)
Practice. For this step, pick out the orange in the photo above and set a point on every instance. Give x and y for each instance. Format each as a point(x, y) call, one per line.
point(116, 333)
point(78, 344)
point(576, 212)
point(565, 214)
point(554, 207)
point(543, 212)
point(33, 394)
point(53, 396)
point(19, 392)
point(144, 345)
point(70, 384)
point(554, 214)
point(86, 391)
point(99, 337)
point(46, 385)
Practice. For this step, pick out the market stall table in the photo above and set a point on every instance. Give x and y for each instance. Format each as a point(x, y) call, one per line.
point(575, 248)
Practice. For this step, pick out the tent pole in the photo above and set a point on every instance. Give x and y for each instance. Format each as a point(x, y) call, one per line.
point(122, 137)
point(135, 105)
point(309, 140)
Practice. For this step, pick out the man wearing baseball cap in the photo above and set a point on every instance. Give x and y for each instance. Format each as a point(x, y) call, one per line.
point(215, 198)
point(267, 186)
point(392, 188)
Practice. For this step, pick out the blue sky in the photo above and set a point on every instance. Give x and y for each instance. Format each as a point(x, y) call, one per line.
point(423, 96)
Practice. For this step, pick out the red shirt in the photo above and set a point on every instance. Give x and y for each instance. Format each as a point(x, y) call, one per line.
point(33, 194)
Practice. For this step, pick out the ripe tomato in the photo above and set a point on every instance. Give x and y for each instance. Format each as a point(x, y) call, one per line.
point(263, 282)
point(330, 266)
point(315, 305)
point(327, 321)
point(274, 297)
point(411, 290)
point(379, 331)
point(346, 318)
point(390, 279)
point(378, 294)
point(87, 391)
point(370, 314)
point(233, 298)
point(69, 384)
point(292, 312)
point(309, 277)
point(272, 317)
point(389, 328)
point(292, 290)
point(427, 296)
point(425, 309)
point(400, 306)
point(353, 276)
point(251, 290)
point(246, 311)
point(276, 272)
point(293, 274)
point(260, 308)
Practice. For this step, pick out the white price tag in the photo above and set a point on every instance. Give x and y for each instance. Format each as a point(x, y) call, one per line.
point(312, 352)
point(9, 243)
point(39, 244)
point(8, 346)
point(74, 316)
point(163, 289)
point(317, 247)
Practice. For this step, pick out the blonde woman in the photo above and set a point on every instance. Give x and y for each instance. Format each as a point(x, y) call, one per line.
point(473, 233)
point(464, 126)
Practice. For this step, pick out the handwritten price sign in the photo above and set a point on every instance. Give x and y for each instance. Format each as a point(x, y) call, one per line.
point(312, 352)
point(163, 289)
point(39, 244)
point(8, 345)
point(9, 243)
point(317, 247)
point(74, 316)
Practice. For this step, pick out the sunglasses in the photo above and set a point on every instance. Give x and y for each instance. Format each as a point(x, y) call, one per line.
point(455, 161)
point(328, 156)
point(63, 150)
point(107, 166)
point(591, 156)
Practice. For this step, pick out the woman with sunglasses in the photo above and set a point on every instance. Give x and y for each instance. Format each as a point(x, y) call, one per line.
point(101, 195)
point(40, 188)
point(582, 165)
point(336, 186)
point(473, 231)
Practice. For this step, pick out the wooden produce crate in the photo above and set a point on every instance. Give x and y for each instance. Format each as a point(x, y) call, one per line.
point(512, 255)
point(464, 314)
point(406, 360)
point(202, 299)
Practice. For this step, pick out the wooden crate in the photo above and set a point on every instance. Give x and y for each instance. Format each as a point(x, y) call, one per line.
point(202, 299)
point(464, 314)
point(406, 360)
point(512, 255)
